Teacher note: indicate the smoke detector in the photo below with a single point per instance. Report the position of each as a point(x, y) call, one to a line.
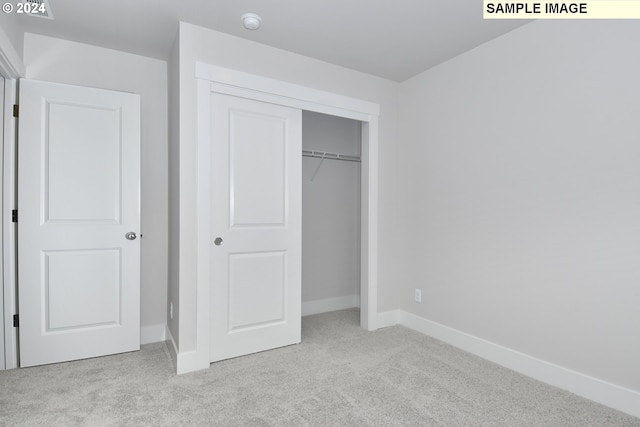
point(250, 21)
point(37, 8)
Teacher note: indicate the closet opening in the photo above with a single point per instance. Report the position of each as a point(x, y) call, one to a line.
point(331, 213)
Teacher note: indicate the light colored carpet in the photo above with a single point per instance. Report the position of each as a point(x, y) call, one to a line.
point(340, 375)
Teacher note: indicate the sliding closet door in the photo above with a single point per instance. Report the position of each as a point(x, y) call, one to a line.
point(256, 219)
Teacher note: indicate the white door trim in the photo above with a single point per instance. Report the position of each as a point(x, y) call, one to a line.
point(11, 68)
point(8, 295)
point(223, 80)
point(2, 309)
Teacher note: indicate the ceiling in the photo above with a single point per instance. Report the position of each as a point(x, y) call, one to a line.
point(394, 39)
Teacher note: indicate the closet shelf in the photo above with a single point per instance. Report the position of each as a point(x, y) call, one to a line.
point(330, 156)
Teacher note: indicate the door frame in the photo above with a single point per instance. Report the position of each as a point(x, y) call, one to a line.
point(12, 69)
point(212, 78)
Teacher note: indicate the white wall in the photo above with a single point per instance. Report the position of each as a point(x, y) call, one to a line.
point(67, 62)
point(11, 32)
point(200, 44)
point(330, 215)
point(520, 195)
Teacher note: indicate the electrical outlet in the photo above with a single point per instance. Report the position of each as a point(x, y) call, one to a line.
point(171, 310)
point(418, 295)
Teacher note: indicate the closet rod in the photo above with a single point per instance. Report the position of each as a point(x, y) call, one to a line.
point(330, 156)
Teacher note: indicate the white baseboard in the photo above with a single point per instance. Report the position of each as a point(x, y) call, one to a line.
point(388, 318)
point(191, 361)
point(329, 304)
point(611, 395)
point(153, 333)
point(173, 348)
point(186, 361)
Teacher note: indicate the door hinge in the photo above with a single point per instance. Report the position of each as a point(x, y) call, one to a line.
point(16, 321)
point(14, 215)
point(16, 110)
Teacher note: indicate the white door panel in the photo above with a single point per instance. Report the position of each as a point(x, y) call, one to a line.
point(256, 211)
point(69, 156)
point(79, 194)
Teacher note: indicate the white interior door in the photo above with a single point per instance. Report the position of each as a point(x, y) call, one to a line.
point(78, 197)
point(256, 224)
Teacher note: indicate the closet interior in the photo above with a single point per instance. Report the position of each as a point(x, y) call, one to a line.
point(330, 213)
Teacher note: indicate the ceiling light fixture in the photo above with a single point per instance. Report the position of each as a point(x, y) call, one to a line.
point(251, 21)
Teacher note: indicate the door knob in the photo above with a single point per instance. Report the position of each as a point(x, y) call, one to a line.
point(130, 235)
point(218, 241)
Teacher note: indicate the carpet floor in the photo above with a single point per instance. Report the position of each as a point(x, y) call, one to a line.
point(340, 375)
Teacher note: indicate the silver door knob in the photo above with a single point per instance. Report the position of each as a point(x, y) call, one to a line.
point(218, 241)
point(131, 235)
